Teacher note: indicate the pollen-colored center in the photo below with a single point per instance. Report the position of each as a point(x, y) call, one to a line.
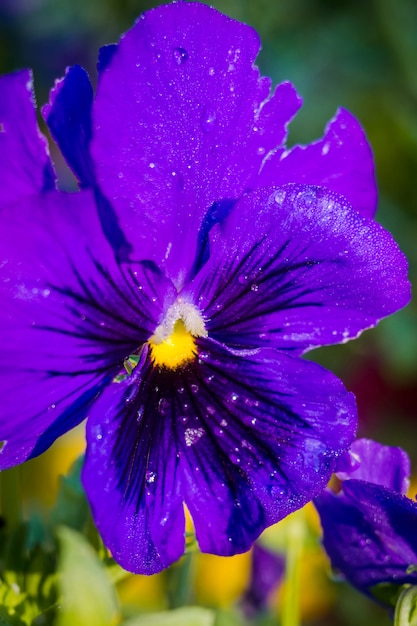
point(173, 343)
point(176, 349)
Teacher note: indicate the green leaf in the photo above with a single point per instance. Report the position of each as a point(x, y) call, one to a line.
point(88, 598)
point(9, 620)
point(71, 506)
point(185, 616)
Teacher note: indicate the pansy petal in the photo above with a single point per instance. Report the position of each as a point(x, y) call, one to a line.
point(296, 267)
point(68, 115)
point(342, 161)
point(25, 167)
point(131, 474)
point(260, 435)
point(370, 460)
point(242, 440)
point(369, 534)
point(177, 107)
point(69, 316)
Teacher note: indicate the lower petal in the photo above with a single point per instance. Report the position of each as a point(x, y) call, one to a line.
point(131, 476)
point(260, 435)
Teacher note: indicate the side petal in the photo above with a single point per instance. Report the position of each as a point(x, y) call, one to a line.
point(25, 166)
point(342, 161)
point(369, 460)
point(182, 119)
point(69, 316)
point(369, 534)
point(296, 267)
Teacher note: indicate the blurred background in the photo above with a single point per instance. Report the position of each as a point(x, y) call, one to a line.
point(350, 53)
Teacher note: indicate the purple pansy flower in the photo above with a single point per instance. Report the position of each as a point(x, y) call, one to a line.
point(369, 527)
point(267, 572)
point(171, 299)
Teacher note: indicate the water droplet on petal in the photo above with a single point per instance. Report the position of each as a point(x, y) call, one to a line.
point(279, 196)
point(140, 413)
point(242, 278)
point(208, 119)
point(254, 287)
point(194, 388)
point(211, 71)
point(163, 406)
point(180, 55)
point(150, 477)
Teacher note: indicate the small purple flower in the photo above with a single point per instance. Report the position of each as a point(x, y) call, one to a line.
point(267, 572)
point(369, 527)
point(170, 300)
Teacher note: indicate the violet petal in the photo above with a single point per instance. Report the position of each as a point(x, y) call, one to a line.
point(70, 315)
point(25, 165)
point(296, 267)
point(342, 161)
point(177, 108)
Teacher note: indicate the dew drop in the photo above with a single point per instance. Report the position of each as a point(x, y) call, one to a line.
point(180, 55)
point(150, 477)
point(194, 388)
point(140, 412)
point(254, 287)
point(307, 199)
point(211, 71)
point(234, 397)
point(279, 196)
point(242, 278)
point(163, 406)
point(260, 151)
point(208, 119)
point(210, 410)
point(152, 165)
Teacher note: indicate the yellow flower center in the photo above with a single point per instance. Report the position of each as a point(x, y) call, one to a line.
point(173, 343)
point(177, 349)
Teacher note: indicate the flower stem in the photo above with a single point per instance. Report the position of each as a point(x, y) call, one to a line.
point(290, 615)
point(179, 583)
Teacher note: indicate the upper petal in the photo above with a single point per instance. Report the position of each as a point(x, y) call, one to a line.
point(69, 315)
point(25, 167)
point(68, 115)
point(182, 118)
point(342, 161)
point(296, 267)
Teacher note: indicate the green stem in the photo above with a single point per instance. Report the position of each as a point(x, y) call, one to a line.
point(290, 615)
point(10, 497)
point(179, 583)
